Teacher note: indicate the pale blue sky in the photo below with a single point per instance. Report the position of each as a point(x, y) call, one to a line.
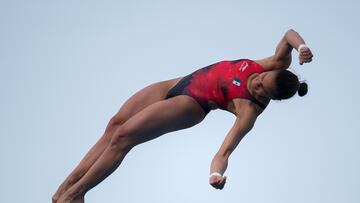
point(67, 66)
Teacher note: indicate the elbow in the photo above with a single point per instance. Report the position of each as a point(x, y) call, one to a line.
point(290, 30)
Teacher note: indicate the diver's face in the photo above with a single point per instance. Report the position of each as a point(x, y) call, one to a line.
point(263, 84)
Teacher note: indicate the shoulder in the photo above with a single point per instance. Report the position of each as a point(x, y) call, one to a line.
point(274, 63)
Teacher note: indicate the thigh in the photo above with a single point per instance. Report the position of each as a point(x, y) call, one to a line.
point(159, 118)
point(143, 98)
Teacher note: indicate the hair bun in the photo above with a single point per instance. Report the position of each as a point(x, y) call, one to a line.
point(303, 89)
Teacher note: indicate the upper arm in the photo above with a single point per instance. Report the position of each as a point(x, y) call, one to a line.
point(281, 58)
point(245, 120)
point(283, 51)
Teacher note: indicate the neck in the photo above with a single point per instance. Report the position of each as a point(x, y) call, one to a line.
point(253, 93)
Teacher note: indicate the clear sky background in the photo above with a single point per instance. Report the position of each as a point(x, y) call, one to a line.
point(67, 66)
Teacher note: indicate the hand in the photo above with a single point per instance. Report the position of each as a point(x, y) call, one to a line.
point(217, 182)
point(305, 55)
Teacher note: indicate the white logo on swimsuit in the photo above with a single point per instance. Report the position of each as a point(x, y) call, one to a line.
point(236, 81)
point(243, 66)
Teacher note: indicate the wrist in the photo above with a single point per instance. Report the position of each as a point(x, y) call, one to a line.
point(301, 46)
point(215, 174)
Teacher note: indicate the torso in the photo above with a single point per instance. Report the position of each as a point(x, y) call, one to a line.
point(217, 85)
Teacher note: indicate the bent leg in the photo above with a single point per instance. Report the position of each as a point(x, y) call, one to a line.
point(134, 104)
point(157, 119)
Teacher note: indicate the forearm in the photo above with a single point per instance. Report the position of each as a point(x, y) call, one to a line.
point(294, 39)
point(244, 122)
point(219, 164)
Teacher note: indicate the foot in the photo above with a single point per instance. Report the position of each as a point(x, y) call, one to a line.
point(63, 199)
point(62, 188)
point(57, 195)
point(79, 200)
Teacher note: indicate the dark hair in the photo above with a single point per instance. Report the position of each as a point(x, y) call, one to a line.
point(287, 84)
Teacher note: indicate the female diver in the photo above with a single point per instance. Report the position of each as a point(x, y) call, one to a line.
point(243, 87)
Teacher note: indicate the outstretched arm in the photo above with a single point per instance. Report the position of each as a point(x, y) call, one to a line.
point(282, 57)
point(244, 122)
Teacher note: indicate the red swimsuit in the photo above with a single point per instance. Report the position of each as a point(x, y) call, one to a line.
point(221, 83)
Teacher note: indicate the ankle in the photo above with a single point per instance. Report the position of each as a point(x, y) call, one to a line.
point(75, 192)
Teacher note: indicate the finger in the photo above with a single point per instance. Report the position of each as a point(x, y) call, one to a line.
point(215, 179)
point(212, 180)
point(222, 183)
point(218, 182)
point(214, 183)
point(221, 186)
point(305, 57)
point(216, 186)
point(303, 51)
point(301, 61)
point(306, 54)
point(307, 60)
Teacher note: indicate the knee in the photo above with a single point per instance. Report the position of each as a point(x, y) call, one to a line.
point(115, 122)
point(122, 140)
